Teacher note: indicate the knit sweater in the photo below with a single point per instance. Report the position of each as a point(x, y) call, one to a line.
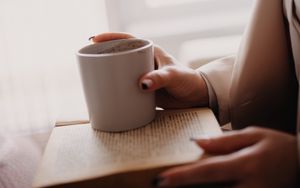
point(19, 157)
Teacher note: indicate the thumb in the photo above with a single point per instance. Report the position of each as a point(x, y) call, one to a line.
point(229, 142)
point(155, 80)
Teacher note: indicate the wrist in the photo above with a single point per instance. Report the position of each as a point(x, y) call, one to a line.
point(198, 95)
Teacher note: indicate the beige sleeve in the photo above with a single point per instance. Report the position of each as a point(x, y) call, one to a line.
point(217, 76)
point(292, 13)
point(258, 87)
point(263, 88)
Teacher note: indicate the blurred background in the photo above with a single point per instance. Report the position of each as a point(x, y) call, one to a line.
point(39, 80)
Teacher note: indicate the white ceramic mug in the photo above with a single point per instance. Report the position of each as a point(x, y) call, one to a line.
point(110, 73)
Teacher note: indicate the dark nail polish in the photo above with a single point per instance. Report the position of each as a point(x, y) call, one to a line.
point(144, 86)
point(91, 37)
point(157, 181)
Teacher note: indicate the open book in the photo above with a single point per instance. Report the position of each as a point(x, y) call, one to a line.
point(78, 156)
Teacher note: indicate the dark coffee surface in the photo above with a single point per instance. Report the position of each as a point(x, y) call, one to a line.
point(122, 47)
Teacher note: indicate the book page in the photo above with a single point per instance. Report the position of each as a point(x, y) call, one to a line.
point(78, 152)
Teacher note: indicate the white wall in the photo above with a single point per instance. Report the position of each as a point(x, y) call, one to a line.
point(171, 23)
point(38, 41)
point(184, 27)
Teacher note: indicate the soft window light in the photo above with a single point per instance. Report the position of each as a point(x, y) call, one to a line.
point(159, 3)
point(39, 81)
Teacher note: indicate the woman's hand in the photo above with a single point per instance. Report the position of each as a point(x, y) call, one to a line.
point(177, 86)
point(250, 158)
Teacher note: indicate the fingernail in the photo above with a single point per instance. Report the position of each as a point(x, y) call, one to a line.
point(196, 138)
point(193, 139)
point(92, 37)
point(201, 140)
point(146, 84)
point(157, 181)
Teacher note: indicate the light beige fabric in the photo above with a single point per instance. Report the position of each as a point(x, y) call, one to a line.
point(260, 86)
point(292, 12)
point(19, 158)
point(263, 81)
point(217, 75)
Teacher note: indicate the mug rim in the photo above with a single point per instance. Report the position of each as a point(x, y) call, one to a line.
point(150, 43)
